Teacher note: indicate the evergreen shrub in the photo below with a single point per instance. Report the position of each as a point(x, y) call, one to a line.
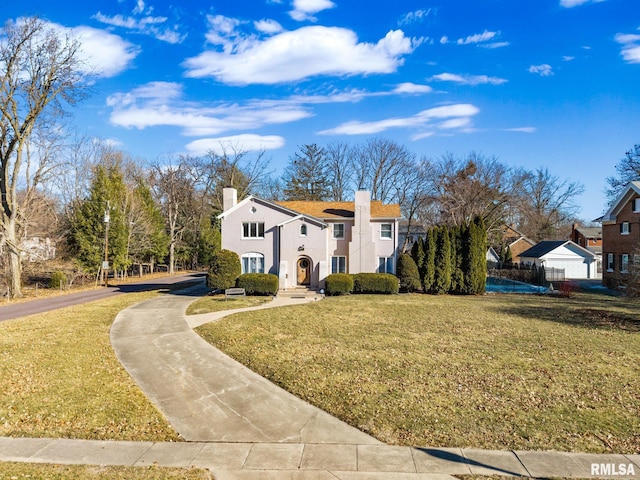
point(375, 283)
point(258, 283)
point(339, 284)
point(58, 280)
point(224, 270)
point(407, 273)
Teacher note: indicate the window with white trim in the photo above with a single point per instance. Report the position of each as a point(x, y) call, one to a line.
point(386, 231)
point(610, 262)
point(625, 228)
point(253, 230)
point(339, 264)
point(338, 230)
point(385, 265)
point(624, 263)
point(253, 263)
point(636, 205)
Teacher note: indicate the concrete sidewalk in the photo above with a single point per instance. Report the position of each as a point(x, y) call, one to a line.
point(203, 393)
point(260, 461)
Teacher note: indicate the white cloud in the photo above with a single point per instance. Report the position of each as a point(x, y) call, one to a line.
point(269, 27)
point(575, 3)
point(522, 129)
point(630, 46)
point(439, 118)
point(568, 58)
point(162, 104)
point(102, 53)
point(306, 9)
point(478, 38)
point(412, 88)
point(245, 142)
point(413, 17)
point(295, 55)
point(147, 25)
point(543, 70)
point(469, 79)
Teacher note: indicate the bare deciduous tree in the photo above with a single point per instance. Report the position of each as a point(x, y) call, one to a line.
point(41, 75)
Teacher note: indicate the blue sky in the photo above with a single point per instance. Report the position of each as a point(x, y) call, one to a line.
point(537, 83)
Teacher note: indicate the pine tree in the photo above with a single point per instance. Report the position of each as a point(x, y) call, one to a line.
point(457, 275)
point(307, 175)
point(417, 253)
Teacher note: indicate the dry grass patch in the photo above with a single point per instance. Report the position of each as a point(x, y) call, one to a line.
point(496, 372)
point(59, 377)
point(15, 471)
point(217, 303)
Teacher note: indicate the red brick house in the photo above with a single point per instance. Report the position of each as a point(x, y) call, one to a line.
point(621, 236)
point(591, 239)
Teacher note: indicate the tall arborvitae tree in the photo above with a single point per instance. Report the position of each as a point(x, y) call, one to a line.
point(457, 275)
point(479, 272)
point(428, 264)
point(417, 253)
point(442, 264)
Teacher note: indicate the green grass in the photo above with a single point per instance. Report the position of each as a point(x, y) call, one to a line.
point(59, 377)
point(496, 372)
point(15, 471)
point(217, 303)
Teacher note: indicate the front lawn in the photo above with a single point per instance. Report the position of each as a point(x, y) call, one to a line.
point(496, 372)
point(216, 303)
point(15, 471)
point(59, 377)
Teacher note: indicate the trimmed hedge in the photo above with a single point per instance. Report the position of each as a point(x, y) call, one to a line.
point(407, 273)
point(339, 284)
point(224, 270)
point(258, 283)
point(375, 283)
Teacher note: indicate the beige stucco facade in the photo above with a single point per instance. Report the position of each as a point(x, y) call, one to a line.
point(302, 249)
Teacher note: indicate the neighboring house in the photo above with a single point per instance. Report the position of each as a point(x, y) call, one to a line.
point(302, 242)
point(34, 249)
point(516, 241)
point(493, 259)
point(407, 236)
point(591, 239)
point(576, 261)
point(621, 236)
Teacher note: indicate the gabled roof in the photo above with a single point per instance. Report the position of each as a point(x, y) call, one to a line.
point(632, 188)
point(337, 210)
point(547, 246)
point(590, 232)
point(273, 205)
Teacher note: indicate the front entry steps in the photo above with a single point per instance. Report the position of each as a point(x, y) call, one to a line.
point(300, 292)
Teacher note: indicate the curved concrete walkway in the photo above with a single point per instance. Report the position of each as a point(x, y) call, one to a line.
point(204, 394)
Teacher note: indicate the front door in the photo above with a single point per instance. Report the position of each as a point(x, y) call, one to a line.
point(304, 271)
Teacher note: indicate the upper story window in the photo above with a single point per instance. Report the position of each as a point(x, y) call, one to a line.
point(338, 230)
point(625, 228)
point(636, 205)
point(253, 230)
point(303, 230)
point(386, 230)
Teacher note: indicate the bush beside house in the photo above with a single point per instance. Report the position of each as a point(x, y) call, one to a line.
point(258, 283)
point(339, 284)
point(224, 270)
point(375, 283)
point(407, 272)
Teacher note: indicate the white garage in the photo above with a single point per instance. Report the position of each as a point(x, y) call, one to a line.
point(577, 262)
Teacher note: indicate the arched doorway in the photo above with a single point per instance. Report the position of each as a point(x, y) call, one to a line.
point(303, 275)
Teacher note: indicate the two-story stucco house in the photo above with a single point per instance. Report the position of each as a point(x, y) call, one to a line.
point(302, 242)
point(621, 236)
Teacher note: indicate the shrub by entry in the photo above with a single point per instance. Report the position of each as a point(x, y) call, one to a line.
point(258, 283)
point(339, 284)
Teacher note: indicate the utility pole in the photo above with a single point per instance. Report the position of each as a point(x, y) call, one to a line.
point(105, 264)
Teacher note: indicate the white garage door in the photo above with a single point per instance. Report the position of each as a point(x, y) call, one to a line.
point(573, 269)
